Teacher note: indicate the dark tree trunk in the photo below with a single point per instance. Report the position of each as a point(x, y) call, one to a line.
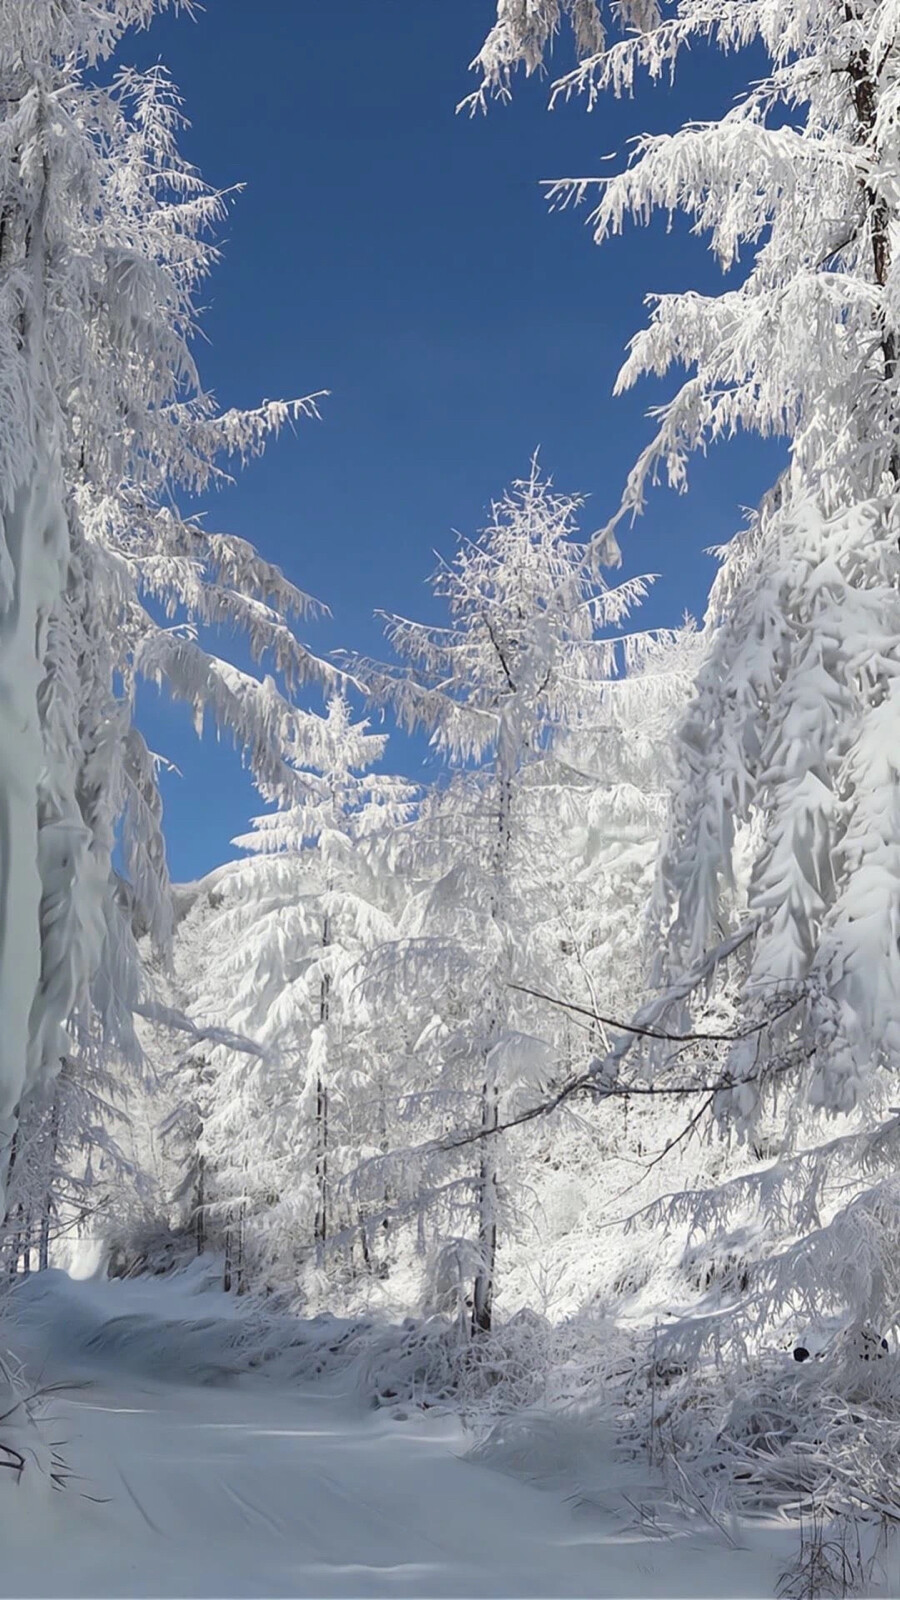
point(321, 1222)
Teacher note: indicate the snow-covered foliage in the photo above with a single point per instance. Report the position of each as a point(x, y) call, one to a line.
point(406, 970)
point(520, 688)
point(274, 1131)
point(776, 912)
point(791, 728)
point(105, 238)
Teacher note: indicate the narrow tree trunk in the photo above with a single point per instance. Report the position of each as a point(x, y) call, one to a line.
point(483, 1291)
point(27, 1226)
point(8, 1232)
point(364, 1244)
point(240, 1269)
point(865, 88)
point(384, 1145)
point(199, 1206)
point(15, 1245)
point(228, 1268)
point(47, 1207)
point(44, 1240)
point(321, 1222)
point(483, 1288)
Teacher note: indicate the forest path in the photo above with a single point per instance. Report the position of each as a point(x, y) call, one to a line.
point(254, 1487)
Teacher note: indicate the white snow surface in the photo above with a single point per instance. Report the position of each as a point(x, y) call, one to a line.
point(194, 1482)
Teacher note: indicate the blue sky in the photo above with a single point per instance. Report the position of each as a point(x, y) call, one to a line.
point(403, 258)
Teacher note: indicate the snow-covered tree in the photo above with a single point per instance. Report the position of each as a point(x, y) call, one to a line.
point(297, 917)
point(65, 1163)
point(104, 242)
point(603, 798)
point(496, 689)
point(792, 725)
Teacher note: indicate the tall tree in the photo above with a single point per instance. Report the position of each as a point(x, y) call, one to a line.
point(788, 745)
point(298, 915)
point(494, 689)
point(104, 242)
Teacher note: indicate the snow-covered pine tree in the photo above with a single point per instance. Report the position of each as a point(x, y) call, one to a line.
point(298, 916)
point(104, 241)
point(496, 689)
point(792, 723)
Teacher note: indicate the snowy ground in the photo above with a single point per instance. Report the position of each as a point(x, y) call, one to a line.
point(255, 1486)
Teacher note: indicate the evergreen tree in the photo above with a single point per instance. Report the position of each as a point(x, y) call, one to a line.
point(495, 689)
point(297, 917)
point(787, 747)
point(104, 243)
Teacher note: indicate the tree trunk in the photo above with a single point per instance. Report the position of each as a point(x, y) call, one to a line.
point(364, 1244)
point(240, 1265)
point(34, 543)
point(11, 1159)
point(384, 1145)
point(199, 1205)
point(47, 1207)
point(28, 553)
point(44, 1240)
point(865, 88)
point(27, 1226)
point(228, 1267)
point(483, 1290)
point(321, 1222)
